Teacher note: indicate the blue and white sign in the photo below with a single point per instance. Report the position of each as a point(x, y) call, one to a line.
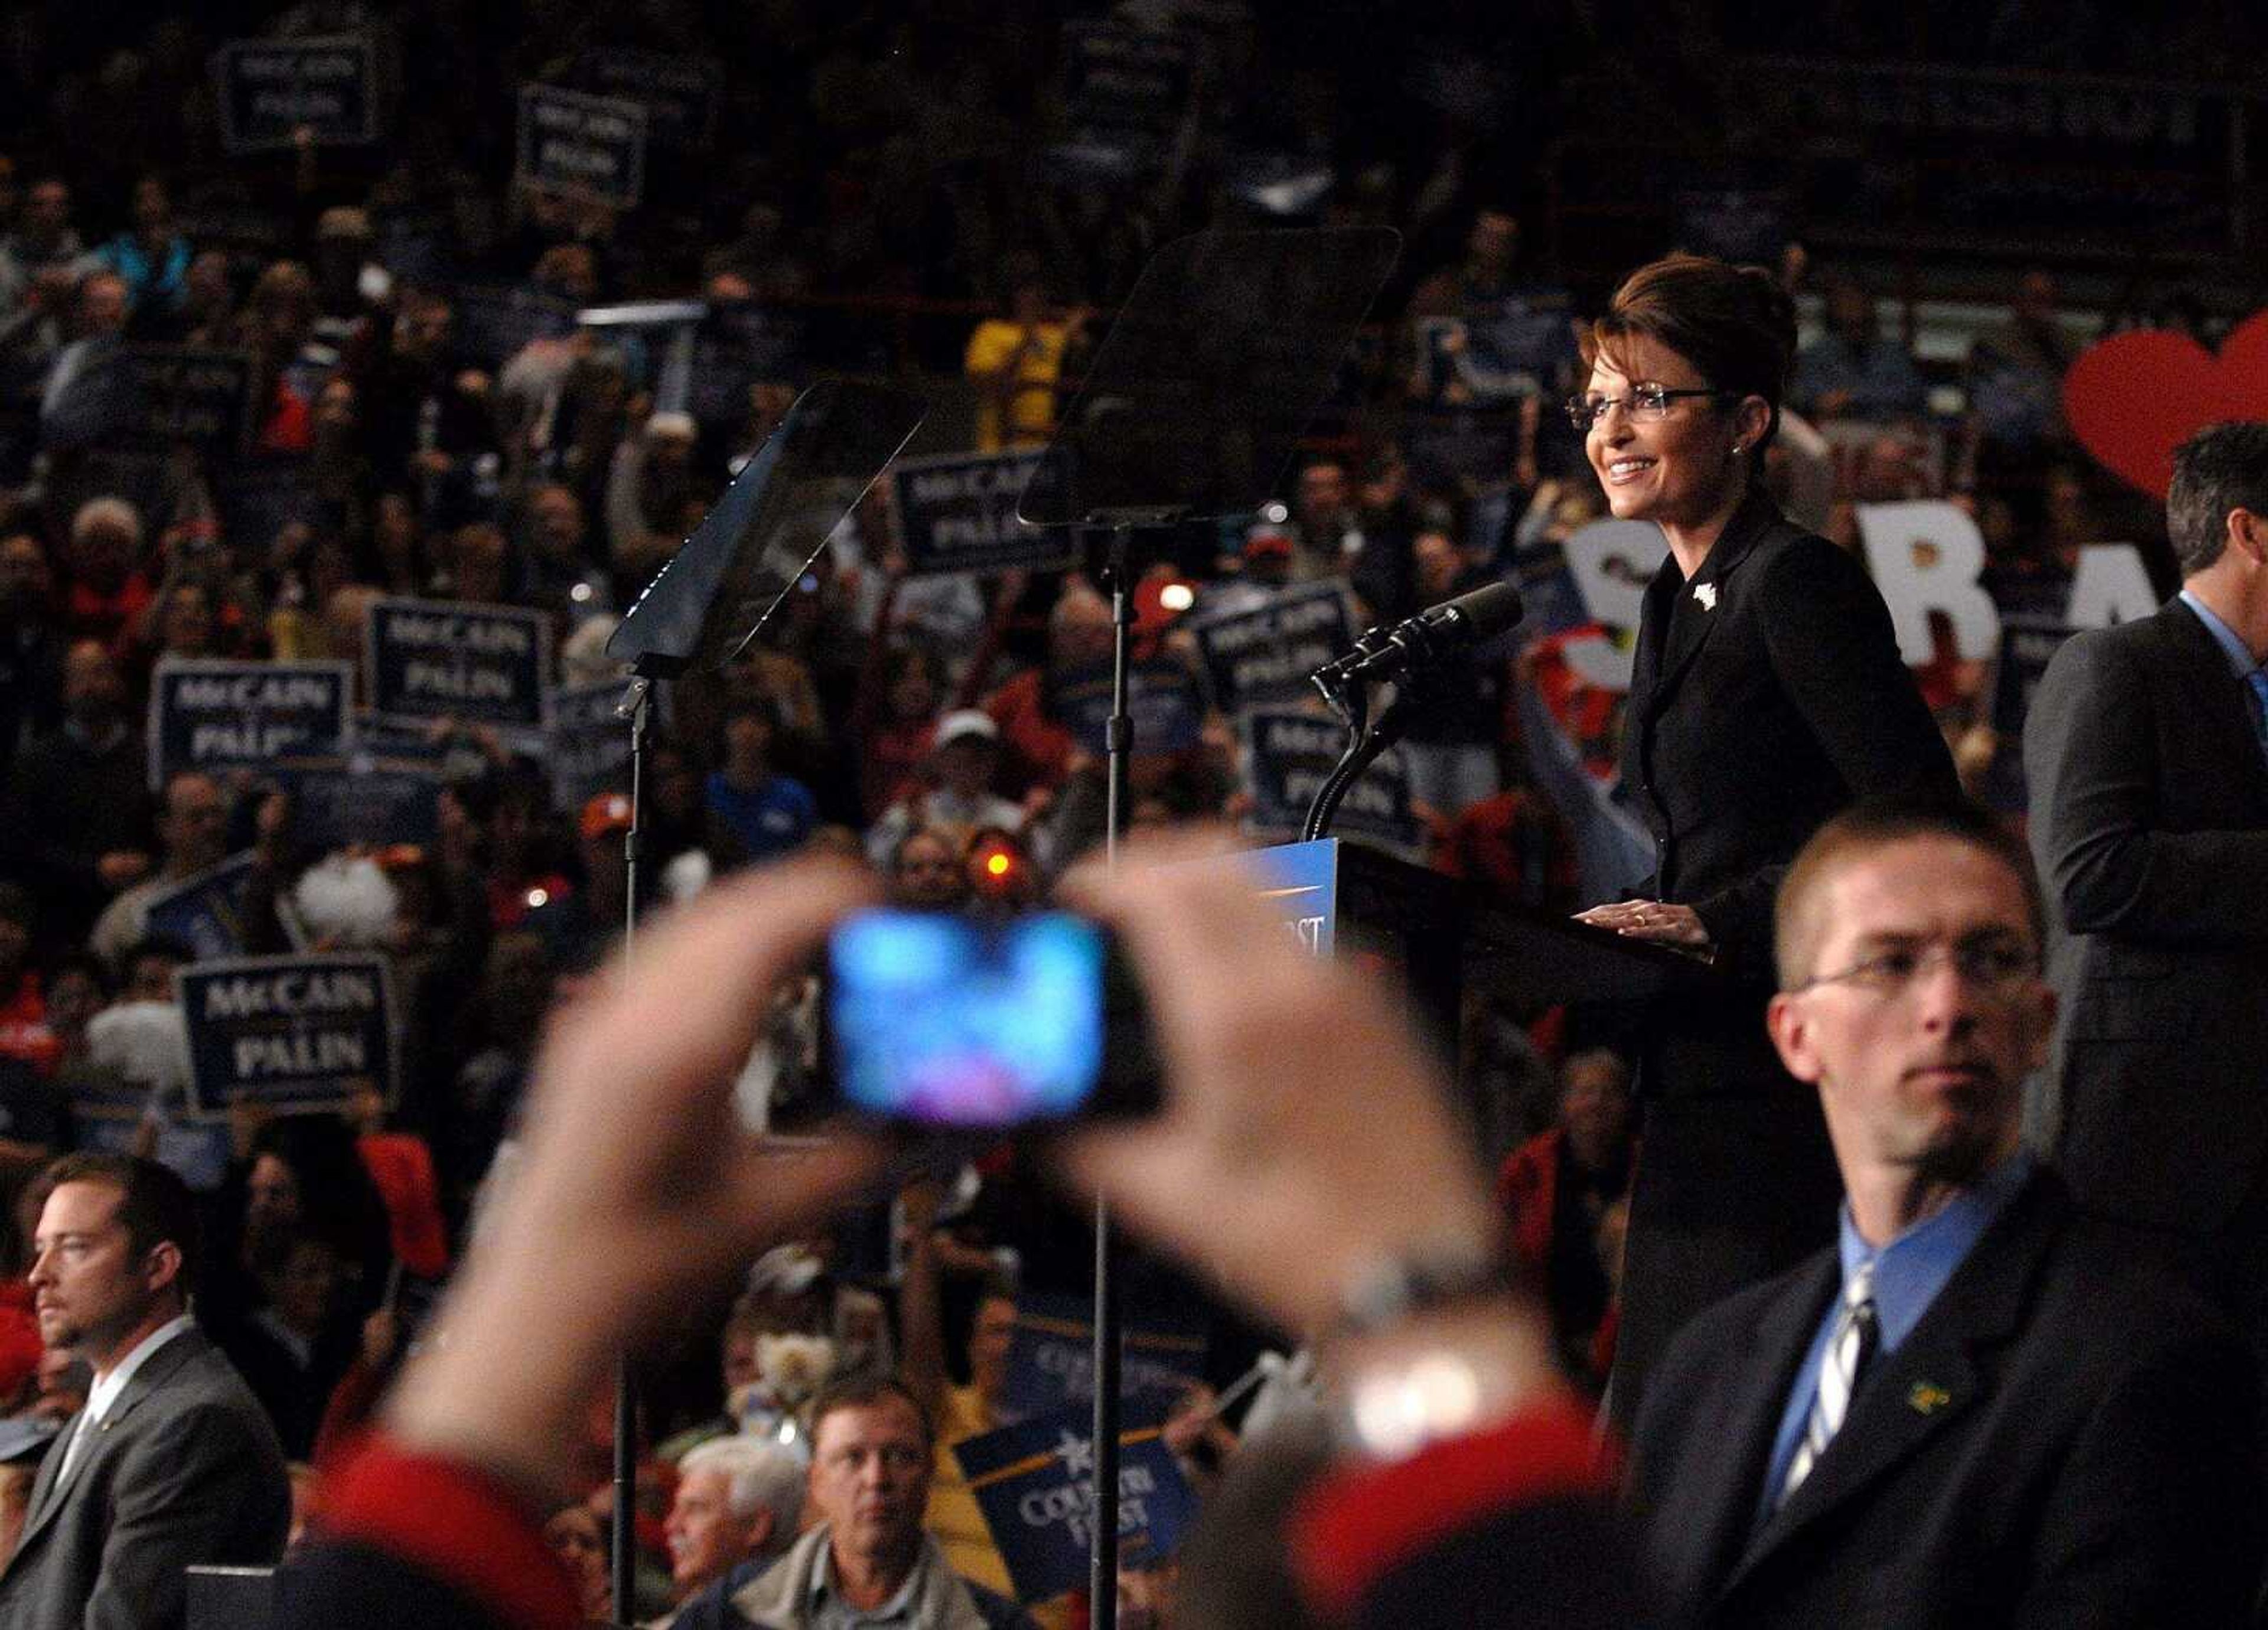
point(1051, 1355)
point(218, 715)
point(439, 659)
point(289, 1032)
point(1035, 1482)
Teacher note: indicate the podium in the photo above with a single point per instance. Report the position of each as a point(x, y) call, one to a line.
point(1438, 939)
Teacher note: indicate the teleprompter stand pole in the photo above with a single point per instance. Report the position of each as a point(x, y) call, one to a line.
point(1118, 748)
point(634, 710)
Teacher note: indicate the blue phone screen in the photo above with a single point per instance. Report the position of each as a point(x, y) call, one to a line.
point(955, 1023)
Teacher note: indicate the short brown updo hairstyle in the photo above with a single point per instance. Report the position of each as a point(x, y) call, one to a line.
point(1735, 324)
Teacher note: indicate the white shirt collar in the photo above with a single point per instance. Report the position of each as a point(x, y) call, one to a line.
point(105, 1391)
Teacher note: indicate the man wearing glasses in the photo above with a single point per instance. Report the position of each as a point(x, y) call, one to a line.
point(867, 1562)
point(1979, 1407)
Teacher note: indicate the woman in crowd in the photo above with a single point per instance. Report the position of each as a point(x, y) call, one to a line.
point(1767, 694)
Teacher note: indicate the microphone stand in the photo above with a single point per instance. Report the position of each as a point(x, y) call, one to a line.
point(1366, 737)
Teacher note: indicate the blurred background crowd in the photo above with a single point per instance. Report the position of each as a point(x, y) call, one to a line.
point(258, 378)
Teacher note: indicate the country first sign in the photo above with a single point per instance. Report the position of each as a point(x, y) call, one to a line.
point(1035, 1483)
point(290, 1032)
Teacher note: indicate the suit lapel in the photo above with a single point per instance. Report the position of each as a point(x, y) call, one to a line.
point(1683, 636)
point(47, 1498)
point(1937, 1375)
point(2218, 693)
point(1724, 1507)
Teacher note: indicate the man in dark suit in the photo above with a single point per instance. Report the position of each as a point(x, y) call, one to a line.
point(171, 1462)
point(2148, 764)
point(1980, 1408)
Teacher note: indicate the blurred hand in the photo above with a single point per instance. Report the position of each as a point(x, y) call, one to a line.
point(1304, 1138)
point(638, 1190)
point(1656, 920)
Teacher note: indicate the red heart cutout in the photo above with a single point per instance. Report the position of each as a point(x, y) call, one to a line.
point(2133, 398)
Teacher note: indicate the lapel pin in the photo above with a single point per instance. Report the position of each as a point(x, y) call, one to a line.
point(1706, 594)
point(1927, 1398)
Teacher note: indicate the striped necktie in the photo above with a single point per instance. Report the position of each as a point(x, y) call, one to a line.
point(1849, 1347)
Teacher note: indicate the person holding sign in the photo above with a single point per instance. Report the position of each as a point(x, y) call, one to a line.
point(1768, 694)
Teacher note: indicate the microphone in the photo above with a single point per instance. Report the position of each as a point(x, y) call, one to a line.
point(1433, 636)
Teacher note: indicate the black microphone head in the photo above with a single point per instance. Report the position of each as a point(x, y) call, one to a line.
point(1486, 611)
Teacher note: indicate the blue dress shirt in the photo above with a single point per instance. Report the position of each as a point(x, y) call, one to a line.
point(1909, 1271)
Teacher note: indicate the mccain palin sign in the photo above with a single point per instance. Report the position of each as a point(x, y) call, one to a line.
point(217, 715)
point(289, 1032)
point(438, 659)
point(958, 513)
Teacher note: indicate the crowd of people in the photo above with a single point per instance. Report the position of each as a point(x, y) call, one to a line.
point(411, 409)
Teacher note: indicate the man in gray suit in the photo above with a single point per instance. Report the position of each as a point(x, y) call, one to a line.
point(2148, 759)
point(171, 1462)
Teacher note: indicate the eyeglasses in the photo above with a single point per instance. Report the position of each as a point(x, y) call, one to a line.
point(1648, 403)
point(1994, 965)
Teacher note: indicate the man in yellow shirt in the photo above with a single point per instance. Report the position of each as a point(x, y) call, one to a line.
point(1015, 362)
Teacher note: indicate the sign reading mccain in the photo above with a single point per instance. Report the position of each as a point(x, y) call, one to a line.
point(437, 659)
point(214, 715)
point(270, 90)
point(290, 1032)
point(1267, 653)
point(958, 513)
point(581, 147)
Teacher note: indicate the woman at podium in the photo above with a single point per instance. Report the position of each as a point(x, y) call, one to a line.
point(1767, 694)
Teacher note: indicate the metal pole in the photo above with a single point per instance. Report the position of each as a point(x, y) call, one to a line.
point(633, 710)
point(1118, 745)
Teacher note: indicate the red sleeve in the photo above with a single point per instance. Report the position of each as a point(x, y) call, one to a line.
point(1353, 1529)
point(458, 1524)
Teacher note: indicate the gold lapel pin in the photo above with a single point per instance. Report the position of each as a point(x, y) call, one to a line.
point(1927, 1398)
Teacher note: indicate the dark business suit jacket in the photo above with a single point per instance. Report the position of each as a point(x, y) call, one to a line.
point(1750, 723)
point(2149, 799)
point(2063, 1440)
point(185, 1469)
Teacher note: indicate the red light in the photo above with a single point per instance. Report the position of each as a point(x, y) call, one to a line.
point(997, 864)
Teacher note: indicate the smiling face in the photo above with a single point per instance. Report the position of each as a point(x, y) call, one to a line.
point(1925, 1080)
point(1680, 471)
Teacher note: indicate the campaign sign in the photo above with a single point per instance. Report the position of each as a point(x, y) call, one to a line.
point(1161, 699)
point(1127, 89)
point(1051, 1355)
point(189, 393)
point(590, 147)
point(289, 1032)
point(1300, 884)
point(219, 715)
point(590, 747)
point(1287, 755)
point(680, 93)
point(1035, 1482)
point(359, 798)
point(438, 659)
point(200, 1151)
point(1266, 654)
point(272, 89)
point(2026, 644)
point(958, 513)
point(206, 912)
